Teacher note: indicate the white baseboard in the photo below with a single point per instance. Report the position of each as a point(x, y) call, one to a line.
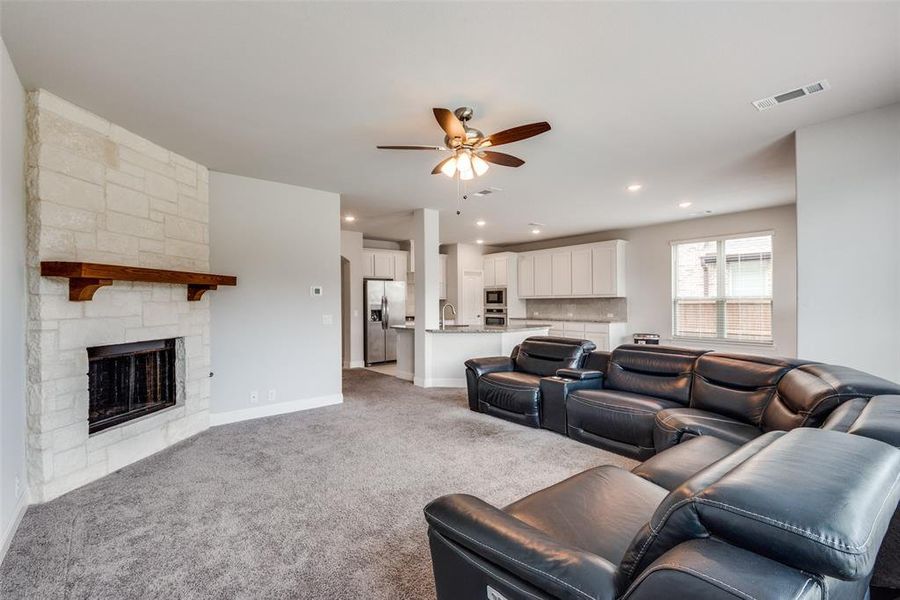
point(445, 383)
point(6, 540)
point(357, 364)
point(256, 412)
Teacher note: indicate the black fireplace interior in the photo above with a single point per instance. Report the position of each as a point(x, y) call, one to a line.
point(127, 381)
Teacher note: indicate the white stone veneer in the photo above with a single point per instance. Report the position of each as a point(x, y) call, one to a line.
point(99, 193)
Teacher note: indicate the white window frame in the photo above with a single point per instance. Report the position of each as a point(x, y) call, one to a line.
point(720, 298)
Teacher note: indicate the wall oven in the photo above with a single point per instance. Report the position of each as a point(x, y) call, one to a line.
point(495, 297)
point(495, 317)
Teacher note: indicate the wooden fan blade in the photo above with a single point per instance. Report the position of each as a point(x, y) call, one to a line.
point(449, 123)
point(522, 132)
point(437, 169)
point(498, 158)
point(410, 147)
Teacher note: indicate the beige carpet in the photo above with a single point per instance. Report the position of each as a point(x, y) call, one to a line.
point(319, 504)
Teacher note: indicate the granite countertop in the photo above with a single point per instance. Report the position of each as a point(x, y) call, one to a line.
point(477, 328)
point(566, 319)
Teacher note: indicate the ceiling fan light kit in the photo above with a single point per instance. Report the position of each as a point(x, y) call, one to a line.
point(470, 158)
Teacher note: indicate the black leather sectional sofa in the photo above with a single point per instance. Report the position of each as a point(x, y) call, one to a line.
point(765, 478)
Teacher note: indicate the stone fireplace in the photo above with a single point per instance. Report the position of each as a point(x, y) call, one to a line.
point(99, 193)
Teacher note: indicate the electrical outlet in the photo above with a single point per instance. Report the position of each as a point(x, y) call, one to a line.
point(271, 397)
point(254, 397)
point(327, 320)
point(610, 315)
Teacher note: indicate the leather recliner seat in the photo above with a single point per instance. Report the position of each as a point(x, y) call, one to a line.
point(510, 388)
point(796, 515)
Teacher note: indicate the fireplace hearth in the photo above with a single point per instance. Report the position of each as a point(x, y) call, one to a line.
point(127, 381)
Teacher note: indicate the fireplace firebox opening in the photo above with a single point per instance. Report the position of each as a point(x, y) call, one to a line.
point(127, 381)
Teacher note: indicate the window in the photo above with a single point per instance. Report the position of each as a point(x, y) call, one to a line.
point(731, 303)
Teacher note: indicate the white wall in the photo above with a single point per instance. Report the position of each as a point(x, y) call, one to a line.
point(649, 271)
point(269, 333)
point(351, 249)
point(12, 300)
point(848, 232)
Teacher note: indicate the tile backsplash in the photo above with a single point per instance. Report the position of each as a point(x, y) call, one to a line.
point(588, 309)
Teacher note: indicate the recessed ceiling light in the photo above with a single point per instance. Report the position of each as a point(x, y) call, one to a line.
point(535, 231)
point(634, 187)
point(479, 241)
point(481, 222)
point(684, 204)
point(349, 218)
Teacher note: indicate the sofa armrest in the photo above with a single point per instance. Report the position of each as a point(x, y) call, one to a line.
point(555, 391)
point(579, 374)
point(490, 364)
point(561, 571)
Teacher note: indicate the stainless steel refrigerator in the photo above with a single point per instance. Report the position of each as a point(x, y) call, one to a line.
point(385, 307)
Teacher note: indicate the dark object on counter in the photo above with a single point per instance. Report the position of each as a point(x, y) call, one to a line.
point(646, 338)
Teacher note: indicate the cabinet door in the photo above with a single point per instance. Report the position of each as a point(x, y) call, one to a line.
point(601, 340)
point(400, 266)
point(543, 274)
point(526, 276)
point(384, 265)
point(501, 277)
point(489, 278)
point(604, 270)
point(562, 273)
point(368, 263)
point(582, 277)
point(443, 285)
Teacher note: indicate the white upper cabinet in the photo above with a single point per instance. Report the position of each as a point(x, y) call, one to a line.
point(489, 271)
point(368, 263)
point(561, 267)
point(582, 277)
point(583, 271)
point(385, 264)
point(608, 269)
point(526, 275)
point(501, 271)
point(543, 274)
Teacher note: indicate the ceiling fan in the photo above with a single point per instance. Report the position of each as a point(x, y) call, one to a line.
point(468, 145)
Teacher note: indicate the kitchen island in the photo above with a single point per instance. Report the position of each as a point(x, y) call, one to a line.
point(452, 346)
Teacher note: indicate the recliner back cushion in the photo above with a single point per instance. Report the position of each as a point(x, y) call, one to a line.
point(659, 371)
point(736, 385)
point(808, 394)
point(815, 500)
point(543, 355)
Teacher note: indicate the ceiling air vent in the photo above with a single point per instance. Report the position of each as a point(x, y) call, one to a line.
point(487, 191)
point(806, 90)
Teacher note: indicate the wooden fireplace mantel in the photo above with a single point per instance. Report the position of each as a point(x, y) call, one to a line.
point(86, 278)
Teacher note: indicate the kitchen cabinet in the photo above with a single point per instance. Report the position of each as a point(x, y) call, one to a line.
point(368, 263)
point(443, 281)
point(384, 264)
point(561, 272)
point(526, 275)
point(489, 271)
point(584, 271)
point(501, 271)
point(543, 274)
point(582, 277)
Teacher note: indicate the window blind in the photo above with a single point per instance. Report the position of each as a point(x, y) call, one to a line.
point(722, 289)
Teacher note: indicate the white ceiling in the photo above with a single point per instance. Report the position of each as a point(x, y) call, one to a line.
point(657, 93)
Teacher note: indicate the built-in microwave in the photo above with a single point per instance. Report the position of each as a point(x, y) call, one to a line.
point(494, 297)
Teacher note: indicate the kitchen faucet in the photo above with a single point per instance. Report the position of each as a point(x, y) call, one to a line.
point(452, 312)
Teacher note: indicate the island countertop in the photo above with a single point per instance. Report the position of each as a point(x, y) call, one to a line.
point(477, 328)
